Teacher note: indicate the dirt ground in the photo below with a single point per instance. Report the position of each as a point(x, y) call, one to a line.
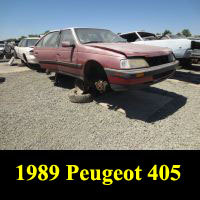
point(35, 114)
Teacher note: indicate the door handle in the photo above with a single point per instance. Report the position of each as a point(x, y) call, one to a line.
point(36, 52)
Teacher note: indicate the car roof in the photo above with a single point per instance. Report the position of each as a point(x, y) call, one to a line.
point(72, 28)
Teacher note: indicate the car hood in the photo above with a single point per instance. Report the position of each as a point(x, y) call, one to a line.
point(130, 50)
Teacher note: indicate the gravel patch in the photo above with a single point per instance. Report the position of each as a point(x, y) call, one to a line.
point(35, 114)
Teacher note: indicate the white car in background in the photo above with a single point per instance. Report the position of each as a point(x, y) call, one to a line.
point(181, 47)
point(24, 50)
point(2, 47)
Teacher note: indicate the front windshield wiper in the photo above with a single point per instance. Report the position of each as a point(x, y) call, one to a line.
point(93, 42)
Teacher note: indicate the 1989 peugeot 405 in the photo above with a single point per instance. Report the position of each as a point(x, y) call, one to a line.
point(101, 59)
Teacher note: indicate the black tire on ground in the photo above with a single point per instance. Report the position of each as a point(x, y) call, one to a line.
point(2, 79)
point(75, 97)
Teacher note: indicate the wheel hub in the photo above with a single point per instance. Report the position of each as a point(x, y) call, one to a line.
point(101, 86)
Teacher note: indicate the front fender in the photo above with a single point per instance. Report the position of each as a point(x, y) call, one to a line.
point(105, 61)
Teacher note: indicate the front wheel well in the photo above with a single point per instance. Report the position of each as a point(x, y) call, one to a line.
point(94, 70)
point(94, 74)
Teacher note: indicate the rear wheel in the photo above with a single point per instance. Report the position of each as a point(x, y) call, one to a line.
point(57, 77)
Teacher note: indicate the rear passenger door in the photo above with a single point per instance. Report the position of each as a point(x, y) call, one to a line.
point(46, 51)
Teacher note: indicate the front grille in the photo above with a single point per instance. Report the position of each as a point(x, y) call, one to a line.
point(159, 60)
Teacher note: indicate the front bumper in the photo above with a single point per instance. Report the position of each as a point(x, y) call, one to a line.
point(121, 80)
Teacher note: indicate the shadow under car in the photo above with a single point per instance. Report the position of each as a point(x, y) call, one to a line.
point(149, 105)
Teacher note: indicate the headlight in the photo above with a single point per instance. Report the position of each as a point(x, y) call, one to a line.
point(171, 57)
point(133, 63)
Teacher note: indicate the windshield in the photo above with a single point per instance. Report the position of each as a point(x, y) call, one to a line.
point(87, 35)
point(31, 42)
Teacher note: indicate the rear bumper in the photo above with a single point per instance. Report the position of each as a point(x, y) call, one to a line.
point(121, 80)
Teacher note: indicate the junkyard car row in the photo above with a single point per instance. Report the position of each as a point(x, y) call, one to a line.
point(101, 60)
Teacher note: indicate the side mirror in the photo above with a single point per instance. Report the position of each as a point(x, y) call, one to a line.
point(67, 44)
